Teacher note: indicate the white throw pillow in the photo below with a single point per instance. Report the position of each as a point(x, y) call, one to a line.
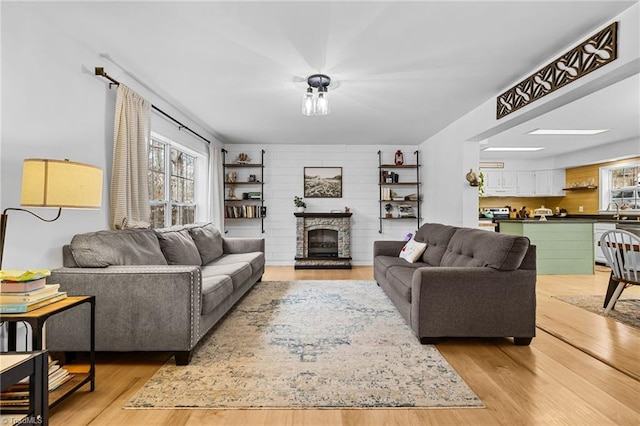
point(412, 250)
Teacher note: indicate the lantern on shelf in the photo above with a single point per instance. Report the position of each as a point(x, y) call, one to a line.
point(399, 158)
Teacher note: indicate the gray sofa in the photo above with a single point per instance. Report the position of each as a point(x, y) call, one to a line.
point(156, 290)
point(467, 283)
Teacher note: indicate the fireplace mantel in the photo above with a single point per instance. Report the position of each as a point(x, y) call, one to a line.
point(322, 214)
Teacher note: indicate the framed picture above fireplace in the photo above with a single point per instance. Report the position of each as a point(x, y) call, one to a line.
point(323, 182)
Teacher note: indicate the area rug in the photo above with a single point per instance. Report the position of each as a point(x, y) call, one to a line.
point(626, 311)
point(310, 344)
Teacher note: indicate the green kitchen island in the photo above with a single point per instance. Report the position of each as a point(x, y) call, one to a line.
point(562, 246)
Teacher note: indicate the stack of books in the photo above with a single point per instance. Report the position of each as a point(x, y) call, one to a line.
point(16, 397)
point(24, 291)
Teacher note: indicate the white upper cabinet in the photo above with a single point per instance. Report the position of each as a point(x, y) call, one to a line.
point(524, 183)
point(500, 183)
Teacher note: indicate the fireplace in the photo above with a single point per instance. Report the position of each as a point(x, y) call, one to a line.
point(323, 241)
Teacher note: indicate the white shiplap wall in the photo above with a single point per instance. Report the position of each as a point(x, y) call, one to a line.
point(283, 175)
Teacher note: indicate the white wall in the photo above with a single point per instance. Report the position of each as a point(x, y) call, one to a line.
point(449, 156)
point(283, 179)
point(54, 107)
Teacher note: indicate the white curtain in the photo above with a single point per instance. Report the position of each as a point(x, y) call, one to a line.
point(129, 192)
point(216, 193)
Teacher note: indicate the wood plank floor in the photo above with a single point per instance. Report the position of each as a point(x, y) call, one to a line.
point(580, 371)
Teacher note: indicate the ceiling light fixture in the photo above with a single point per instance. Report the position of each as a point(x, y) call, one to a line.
point(318, 104)
point(514, 148)
point(567, 131)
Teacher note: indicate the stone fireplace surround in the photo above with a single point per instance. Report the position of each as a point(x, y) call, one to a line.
point(340, 222)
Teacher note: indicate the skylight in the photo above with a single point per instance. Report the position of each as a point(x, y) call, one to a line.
point(514, 148)
point(579, 132)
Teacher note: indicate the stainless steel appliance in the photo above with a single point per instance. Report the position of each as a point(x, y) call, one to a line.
point(495, 212)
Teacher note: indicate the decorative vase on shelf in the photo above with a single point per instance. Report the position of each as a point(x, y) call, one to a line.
point(300, 209)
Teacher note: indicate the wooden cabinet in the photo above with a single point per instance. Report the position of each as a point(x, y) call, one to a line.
point(244, 190)
point(399, 195)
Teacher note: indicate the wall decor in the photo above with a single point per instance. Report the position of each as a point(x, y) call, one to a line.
point(323, 182)
point(593, 53)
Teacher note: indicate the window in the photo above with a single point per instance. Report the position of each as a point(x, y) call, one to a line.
point(620, 185)
point(172, 183)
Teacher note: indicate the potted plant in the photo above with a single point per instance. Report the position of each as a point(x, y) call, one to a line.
point(299, 203)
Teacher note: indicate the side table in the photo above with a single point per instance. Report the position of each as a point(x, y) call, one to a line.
point(36, 320)
point(16, 366)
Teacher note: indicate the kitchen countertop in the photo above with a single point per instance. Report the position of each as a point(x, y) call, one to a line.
point(549, 220)
point(632, 220)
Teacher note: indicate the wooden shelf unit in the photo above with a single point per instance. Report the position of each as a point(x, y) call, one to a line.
point(381, 184)
point(244, 206)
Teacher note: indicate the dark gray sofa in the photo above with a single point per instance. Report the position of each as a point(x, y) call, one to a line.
point(468, 283)
point(156, 290)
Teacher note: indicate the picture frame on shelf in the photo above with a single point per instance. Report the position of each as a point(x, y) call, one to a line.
point(323, 182)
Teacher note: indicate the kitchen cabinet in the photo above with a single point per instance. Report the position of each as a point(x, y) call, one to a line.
point(600, 228)
point(549, 182)
point(524, 183)
point(500, 183)
point(563, 247)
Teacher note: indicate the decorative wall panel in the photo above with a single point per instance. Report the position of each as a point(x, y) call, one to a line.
point(593, 53)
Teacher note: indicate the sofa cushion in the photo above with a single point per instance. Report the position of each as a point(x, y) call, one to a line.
point(412, 250)
point(208, 241)
point(238, 272)
point(437, 237)
point(178, 247)
point(475, 247)
point(254, 259)
point(121, 247)
point(389, 261)
point(214, 290)
point(400, 278)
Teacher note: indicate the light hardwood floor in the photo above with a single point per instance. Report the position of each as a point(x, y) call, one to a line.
point(551, 382)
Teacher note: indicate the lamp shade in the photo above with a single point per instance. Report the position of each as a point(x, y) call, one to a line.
point(60, 183)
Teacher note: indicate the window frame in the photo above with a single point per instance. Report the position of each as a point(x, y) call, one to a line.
point(199, 180)
point(606, 190)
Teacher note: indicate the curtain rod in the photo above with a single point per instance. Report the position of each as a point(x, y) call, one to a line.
point(100, 71)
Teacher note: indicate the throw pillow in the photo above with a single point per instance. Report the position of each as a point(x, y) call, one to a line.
point(123, 247)
point(178, 247)
point(412, 250)
point(208, 241)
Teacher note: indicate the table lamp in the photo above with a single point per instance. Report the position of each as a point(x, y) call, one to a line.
point(56, 183)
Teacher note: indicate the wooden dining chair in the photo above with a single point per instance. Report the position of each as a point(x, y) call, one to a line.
point(622, 251)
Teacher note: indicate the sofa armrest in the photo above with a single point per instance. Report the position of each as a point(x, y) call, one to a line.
point(454, 301)
point(242, 245)
point(387, 248)
point(155, 307)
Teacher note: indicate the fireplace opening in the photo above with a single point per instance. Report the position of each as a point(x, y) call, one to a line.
point(322, 243)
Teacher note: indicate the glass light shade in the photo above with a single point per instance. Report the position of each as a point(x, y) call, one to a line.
point(322, 103)
point(308, 103)
point(60, 183)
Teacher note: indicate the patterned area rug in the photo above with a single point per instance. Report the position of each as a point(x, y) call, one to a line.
point(310, 344)
point(626, 311)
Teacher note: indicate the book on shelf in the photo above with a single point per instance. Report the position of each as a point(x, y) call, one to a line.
point(18, 308)
point(9, 286)
point(30, 296)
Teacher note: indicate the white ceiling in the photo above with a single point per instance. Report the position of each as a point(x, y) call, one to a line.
point(402, 70)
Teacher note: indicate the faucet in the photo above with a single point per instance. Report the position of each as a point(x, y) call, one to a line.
point(617, 215)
